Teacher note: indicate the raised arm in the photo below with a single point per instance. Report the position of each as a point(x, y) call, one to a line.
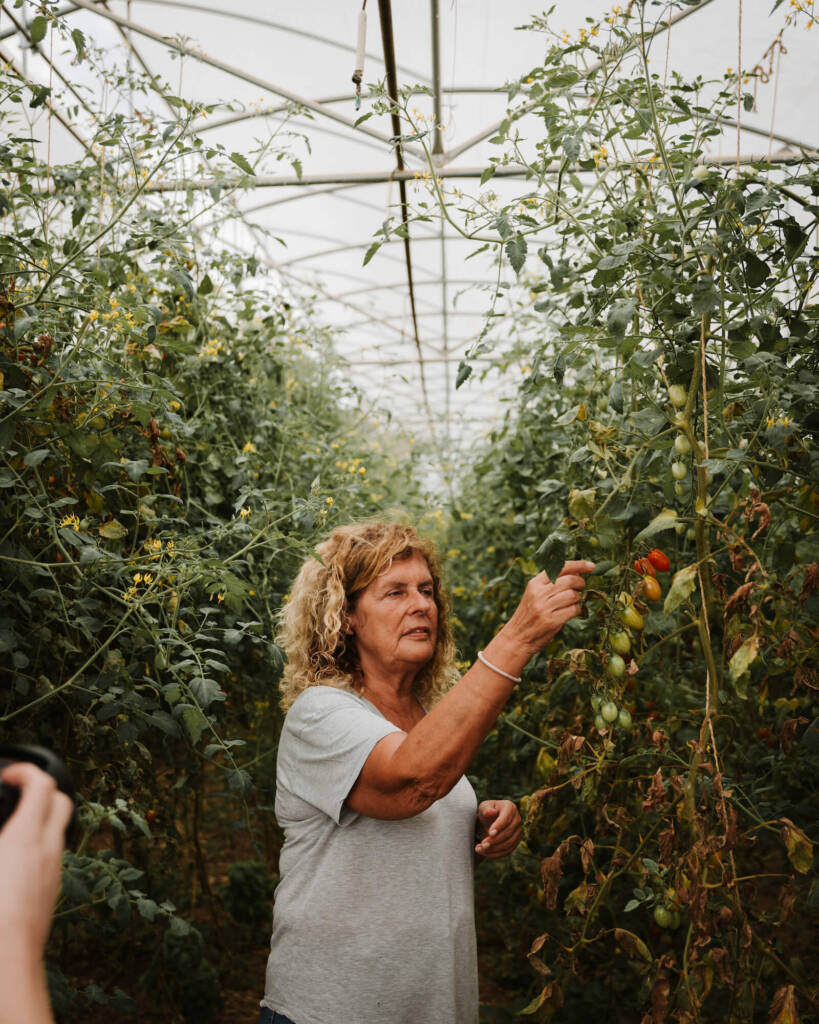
point(408, 772)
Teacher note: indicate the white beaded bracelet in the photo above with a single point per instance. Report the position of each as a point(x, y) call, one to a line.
point(506, 675)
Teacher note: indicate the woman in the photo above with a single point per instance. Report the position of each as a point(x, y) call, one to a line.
point(373, 919)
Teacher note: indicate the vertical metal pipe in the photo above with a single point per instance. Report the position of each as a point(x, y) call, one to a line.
point(435, 18)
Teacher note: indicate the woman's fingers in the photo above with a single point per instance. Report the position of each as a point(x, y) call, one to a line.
point(504, 832)
point(572, 568)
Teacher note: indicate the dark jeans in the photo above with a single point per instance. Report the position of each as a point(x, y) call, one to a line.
point(269, 1017)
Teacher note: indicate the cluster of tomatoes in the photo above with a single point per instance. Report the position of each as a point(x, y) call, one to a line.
point(607, 713)
point(655, 561)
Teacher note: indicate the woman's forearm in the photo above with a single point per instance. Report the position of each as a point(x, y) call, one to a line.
point(437, 751)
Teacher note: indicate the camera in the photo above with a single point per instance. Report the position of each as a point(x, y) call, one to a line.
point(11, 753)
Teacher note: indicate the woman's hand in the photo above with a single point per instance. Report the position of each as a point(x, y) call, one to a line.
point(499, 828)
point(545, 606)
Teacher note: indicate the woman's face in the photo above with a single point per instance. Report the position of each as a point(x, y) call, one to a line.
point(395, 618)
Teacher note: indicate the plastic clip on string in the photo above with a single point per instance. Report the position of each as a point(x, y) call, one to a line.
point(506, 675)
point(358, 74)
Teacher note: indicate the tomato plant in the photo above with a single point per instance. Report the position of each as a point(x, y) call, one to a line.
point(667, 315)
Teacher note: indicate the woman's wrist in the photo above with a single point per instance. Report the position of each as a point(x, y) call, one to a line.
point(507, 652)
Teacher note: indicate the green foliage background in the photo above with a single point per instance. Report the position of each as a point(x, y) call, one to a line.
point(176, 435)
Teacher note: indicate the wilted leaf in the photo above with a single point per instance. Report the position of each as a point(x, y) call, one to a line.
point(742, 658)
point(112, 530)
point(800, 848)
point(633, 945)
point(683, 585)
point(783, 1007)
point(551, 997)
point(662, 521)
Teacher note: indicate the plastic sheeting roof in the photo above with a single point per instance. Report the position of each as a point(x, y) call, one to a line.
point(248, 55)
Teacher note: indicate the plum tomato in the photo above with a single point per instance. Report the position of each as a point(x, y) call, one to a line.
point(651, 588)
point(663, 916)
point(679, 470)
point(678, 395)
point(644, 567)
point(599, 723)
point(616, 667)
point(609, 711)
point(620, 642)
point(659, 559)
point(682, 446)
point(631, 617)
point(624, 718)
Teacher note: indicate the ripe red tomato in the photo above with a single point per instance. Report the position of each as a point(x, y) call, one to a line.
point(659, 559)
point(644, 567)
point(651, 588)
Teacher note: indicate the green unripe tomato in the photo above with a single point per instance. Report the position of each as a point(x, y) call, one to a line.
point(678, 395)
point(596, 701)
point(690, 535)
point(620, 642)
point(616, 667)
point(682, 446)
point(679, 470)
point(675, 919)
point(599, 724)
point(679, 489)
point(662, 915)
point(679, 529)
point(609, 711)
point(632, 617)
point(624, 718)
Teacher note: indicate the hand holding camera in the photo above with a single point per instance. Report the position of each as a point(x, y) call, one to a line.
point(31, 846)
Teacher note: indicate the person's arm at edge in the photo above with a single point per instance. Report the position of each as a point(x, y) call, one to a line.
point(31, 844)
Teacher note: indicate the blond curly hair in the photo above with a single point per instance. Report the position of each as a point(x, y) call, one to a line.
point(319, 652)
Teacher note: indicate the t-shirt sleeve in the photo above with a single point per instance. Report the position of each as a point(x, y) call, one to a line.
point(327, 736)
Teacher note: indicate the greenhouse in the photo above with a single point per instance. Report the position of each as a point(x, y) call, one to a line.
point(528, 294)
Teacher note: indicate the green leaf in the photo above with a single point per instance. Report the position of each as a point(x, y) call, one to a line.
point(41, 94)
point(368, 255)
point(516, 251)
point(487, 174)
point(36, 457)
point(683, 584)
point(78, 39)
point(620, 316)
point(194, 721)
point(146, 908)
point(241, 162)
point(464, 373)
point(756, 270)
point(665, 520)
point(135, 468)
point(551, 554)
point(37, 29)
point(205, 286)
point(362, 119)
point(704, 297)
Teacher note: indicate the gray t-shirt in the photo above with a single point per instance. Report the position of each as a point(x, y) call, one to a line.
point(373, 920)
